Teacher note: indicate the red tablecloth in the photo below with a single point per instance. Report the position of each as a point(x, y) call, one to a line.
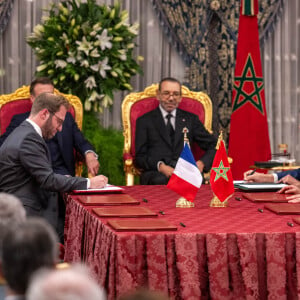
point(223, 253)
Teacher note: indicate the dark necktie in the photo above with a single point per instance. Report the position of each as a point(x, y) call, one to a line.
point(170, 129)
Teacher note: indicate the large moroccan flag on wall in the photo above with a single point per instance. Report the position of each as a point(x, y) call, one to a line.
point(249, 136)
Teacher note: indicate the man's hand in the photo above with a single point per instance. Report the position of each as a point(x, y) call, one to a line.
point(200, 165)
point(258, 177)
point(98, 182)
point(92, 163)
point(288, 179)
point(294, 198)
point(166, 170)
point(290, 189)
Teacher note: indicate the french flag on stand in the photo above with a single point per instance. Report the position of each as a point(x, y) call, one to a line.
point(186, 178)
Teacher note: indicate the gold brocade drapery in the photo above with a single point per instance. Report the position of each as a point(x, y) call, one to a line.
point(205, 34)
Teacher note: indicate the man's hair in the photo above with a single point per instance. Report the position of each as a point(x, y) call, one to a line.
point(169, 79)
point(26, 248)
point(49, 101)
point(12, 213)
point(74, 282)
point(39, 80)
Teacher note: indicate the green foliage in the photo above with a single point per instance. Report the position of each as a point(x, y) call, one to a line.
point(87, 50)
point(108, 144)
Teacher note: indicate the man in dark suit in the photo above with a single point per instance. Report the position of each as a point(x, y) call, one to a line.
point(25, 167)
point(159, 136)
point(62, 145)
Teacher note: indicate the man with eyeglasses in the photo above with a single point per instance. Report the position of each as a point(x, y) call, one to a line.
point(62, 145)
point(159, 136)
point(25, 161)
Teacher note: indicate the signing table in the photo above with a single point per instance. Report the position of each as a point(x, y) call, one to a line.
point(238, 252)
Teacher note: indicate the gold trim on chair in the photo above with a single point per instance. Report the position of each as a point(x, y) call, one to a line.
point(150, 92)
point(23, 93)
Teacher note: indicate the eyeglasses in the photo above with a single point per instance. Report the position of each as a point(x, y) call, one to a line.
point(58, 119)
point(168, 94)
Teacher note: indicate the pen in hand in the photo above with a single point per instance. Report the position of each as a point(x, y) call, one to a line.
point(251, 173)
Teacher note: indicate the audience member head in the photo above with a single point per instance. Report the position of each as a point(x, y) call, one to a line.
point(48, 112)
point(169, 93)
point(40, 85)
point(73, 283)
point(26, 248)
point(144, 294)
point(12, 213)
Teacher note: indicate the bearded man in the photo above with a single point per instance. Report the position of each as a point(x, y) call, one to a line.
point(25, 163)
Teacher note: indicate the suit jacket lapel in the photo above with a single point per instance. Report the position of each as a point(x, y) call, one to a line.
point(59, 137)
point(42, 139)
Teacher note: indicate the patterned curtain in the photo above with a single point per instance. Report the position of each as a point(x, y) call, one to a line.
point(5, 10)
point(204, 33)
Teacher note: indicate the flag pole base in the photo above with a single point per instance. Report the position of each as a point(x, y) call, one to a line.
point(215, 202)
point(183, 203)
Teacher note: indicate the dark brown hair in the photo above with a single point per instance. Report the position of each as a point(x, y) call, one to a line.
point(39, 80)
point(49, 101)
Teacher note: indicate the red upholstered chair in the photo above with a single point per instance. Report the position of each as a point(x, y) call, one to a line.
point(136, 104)
point(19, 102)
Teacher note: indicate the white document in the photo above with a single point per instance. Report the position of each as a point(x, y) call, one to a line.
point(107, 189)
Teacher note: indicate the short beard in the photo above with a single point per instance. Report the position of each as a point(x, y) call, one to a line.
point(47, 129)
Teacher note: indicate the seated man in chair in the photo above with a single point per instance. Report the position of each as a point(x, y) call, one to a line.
point(62, 145)
point(159, 136)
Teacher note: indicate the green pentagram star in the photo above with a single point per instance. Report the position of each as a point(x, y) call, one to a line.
point(242, 96)
point(221, 171)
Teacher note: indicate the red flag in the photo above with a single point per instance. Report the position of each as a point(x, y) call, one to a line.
point(220, 175)
point(249, 136)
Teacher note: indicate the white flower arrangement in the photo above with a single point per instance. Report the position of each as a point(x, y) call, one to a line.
point(87, 50)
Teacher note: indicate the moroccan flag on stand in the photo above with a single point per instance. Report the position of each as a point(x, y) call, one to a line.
point(220, 175)
point(249, 136)
point(186, 178)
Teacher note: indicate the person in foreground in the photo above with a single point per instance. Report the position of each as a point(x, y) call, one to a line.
point(62, 145)
point(27, 247)
point(25, 164)
point(74, 282)
point(12, 213)
point(159, 136)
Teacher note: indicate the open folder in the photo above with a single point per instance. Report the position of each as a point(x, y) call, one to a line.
point(258, 186)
